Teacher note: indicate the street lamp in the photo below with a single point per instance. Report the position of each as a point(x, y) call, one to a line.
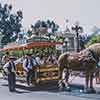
point(67, 29)
point(77, 30)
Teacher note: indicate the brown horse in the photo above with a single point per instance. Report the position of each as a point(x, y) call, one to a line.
point(86, 61)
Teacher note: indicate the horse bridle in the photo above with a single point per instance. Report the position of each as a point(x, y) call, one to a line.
point(94, 55)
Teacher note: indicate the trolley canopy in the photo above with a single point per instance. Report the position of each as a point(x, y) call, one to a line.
point(31, 45)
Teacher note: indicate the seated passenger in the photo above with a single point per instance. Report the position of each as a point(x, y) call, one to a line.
point(52, 59)
point(38, 60)
point(5, 58)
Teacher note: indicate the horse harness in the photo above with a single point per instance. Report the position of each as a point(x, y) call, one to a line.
point(94, 55)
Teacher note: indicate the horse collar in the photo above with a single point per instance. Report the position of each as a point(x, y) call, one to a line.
point(94, 55)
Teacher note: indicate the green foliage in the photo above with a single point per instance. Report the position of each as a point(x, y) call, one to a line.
point(41, 50)
point(94, 39)
point(42, 27)
point(10, 23)
point(60, 39)
point(17, 53)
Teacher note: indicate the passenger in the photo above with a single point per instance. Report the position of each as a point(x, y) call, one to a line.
point(42, 60)
point(52, 59)
point(55, 60)
point(9, 68)
point(29, 67)
point(45, 59)
point(38, 60)
point(5, 58)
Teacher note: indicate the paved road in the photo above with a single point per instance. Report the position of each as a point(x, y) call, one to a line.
point(50, 93)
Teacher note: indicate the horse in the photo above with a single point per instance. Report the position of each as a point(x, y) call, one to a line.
point(85, 60)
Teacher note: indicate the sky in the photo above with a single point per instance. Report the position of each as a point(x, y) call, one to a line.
point(84, 11)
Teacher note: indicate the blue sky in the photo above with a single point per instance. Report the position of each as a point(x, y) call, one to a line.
point(84, 11)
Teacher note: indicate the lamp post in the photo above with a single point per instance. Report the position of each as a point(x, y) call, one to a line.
point(77, 30)
point(67, 29)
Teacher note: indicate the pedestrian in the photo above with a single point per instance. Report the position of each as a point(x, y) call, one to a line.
point(52, 59)
point(28, 65)
point(10, 69)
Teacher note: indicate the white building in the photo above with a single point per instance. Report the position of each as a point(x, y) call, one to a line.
point(70, 40)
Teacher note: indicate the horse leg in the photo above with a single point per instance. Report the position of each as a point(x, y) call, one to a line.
point(60, 83)
point(91, 83)
point(67, 77)
point(86, 83)
point(63, 83)
point(60, 73)
point(65, 80)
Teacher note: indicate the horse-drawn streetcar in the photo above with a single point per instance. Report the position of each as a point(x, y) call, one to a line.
point(44, 72)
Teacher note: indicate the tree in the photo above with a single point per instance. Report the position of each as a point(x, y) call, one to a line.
point(94, 39)
point(43, 26)
point(39, 27)
point(95, 32)
point(10, 24)
point(51, 24)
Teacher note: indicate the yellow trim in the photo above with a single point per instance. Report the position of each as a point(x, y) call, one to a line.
point(49, 69)
point(48, 78)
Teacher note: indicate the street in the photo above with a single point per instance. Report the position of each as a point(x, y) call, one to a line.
point(43, 93)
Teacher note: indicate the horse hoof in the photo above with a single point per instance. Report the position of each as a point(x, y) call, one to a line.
point(89, 90)
point(86, 90)
point(92, 90)
point(68, 89)
point(61, 89)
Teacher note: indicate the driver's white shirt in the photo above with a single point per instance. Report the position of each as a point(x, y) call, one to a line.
point(5, 67)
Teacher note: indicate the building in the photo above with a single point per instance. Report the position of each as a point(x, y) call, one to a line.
point(70, 40)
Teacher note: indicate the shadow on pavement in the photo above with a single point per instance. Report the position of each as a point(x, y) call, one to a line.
point(20, 89)
point(74, 92)
point(21, 92)
point(52, 87)
point(17, 91)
